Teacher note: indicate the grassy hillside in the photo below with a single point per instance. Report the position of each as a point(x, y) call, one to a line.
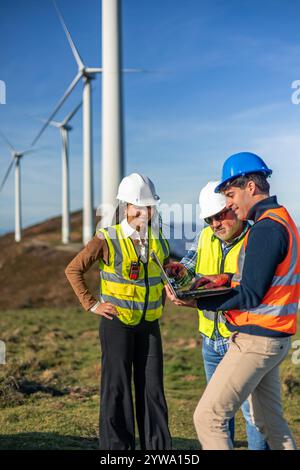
point(49, 387)
point(32, 271)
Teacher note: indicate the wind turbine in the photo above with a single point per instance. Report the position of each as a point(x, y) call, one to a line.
point(86, 74)
point(112, 119)
point(15, 161)
point(65, 128)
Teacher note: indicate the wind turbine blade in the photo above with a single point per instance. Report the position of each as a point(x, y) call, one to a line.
point(40, 119)
point(7, 173)
point(51, 123)
point(94, 70)
point(69, 37)
point(54, 123)
point(27, 151)
point(72, 114)
point(100, 70)
point(158, 71)
point(58, 106)
point(11, 147)
point(134, 70)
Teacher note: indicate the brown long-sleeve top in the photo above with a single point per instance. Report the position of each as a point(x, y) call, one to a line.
point(95, 250)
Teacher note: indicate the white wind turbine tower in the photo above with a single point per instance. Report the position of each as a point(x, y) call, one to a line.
point(112, 118)
point(16, 161)
point(65, 128)
point(86, 74)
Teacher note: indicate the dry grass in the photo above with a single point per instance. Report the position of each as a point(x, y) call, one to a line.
point(49, 387)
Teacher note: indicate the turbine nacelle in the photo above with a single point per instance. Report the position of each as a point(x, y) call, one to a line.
point(66, 127)
point(17, 155)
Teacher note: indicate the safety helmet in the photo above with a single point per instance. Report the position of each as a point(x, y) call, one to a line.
point(138, 190)
point(241, 164)
point(210, 202)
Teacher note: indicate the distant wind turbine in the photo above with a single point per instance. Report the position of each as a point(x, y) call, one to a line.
point(64, 128)
point(15, 161)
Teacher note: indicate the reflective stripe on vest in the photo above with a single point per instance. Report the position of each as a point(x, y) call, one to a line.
point(129, 295)
point(279, 306)
point(209, 259)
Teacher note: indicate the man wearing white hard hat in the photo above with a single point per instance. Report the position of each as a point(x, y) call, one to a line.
point(215, 253)
point(130, 305)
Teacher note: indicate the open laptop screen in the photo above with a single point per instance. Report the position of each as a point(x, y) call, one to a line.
point(187, 294)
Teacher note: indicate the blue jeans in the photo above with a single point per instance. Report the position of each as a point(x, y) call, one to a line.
point(255, 439)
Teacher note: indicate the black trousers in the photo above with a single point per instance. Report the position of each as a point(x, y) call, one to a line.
point(137, 349)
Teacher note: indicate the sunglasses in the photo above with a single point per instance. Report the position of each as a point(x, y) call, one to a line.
point(217, 217)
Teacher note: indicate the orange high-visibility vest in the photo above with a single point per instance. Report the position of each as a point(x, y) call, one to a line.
point(278, 308)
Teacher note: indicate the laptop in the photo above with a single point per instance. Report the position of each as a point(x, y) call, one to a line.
point(188, 294)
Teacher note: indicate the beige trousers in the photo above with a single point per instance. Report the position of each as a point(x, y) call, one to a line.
point(249, 369)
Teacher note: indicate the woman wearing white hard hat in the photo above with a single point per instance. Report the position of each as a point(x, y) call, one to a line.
point(131, 303)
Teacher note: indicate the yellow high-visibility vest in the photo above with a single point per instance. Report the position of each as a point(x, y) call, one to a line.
point(133, 299)
point(210, 261)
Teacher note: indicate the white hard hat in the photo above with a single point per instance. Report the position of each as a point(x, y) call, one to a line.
point(138, 190)
point(210, 202)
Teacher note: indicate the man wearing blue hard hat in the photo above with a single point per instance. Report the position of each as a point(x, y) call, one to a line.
point(241, 164)
point(260, 311)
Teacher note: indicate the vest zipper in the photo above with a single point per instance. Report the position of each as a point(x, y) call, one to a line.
point(222, 265)
point(147, 290)
point(146, 280)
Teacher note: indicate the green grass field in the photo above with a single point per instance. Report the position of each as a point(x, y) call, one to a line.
point(49, 396)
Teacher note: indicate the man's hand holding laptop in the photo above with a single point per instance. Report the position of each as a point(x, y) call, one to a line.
point(176, 301)
point(212, 281)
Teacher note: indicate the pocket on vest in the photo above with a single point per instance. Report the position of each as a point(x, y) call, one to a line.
point(118, 290)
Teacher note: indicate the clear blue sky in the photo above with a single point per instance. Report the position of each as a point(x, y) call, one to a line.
point(221, 83)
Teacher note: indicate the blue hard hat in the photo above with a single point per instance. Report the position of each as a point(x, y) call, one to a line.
point(241, 164)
